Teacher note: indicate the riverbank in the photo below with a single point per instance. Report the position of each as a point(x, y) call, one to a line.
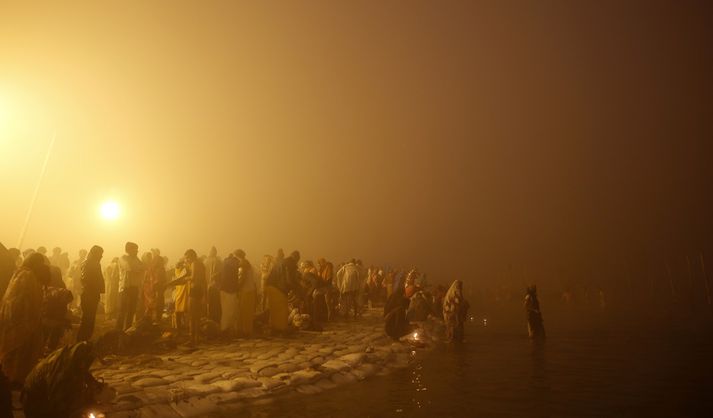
point(223, 377)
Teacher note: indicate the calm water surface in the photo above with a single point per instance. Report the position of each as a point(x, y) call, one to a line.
point(603, 370)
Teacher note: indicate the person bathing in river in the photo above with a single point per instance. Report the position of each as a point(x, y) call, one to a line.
point(535, 328)
point(455, 310)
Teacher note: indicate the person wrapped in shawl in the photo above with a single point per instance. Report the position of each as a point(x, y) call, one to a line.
point(21, 337)
point(535, 327)
point(395, 323)
point(455, 310)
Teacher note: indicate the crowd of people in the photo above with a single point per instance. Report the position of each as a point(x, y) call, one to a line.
point(200, 296)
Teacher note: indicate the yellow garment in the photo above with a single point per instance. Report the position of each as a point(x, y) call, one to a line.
point(181, 295)
point(246, 312)
point(277, 303)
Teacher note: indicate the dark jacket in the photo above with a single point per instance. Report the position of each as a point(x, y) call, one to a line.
point(229, 278)
point(92, 278)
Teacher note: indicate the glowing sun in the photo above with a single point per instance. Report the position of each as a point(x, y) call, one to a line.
point(109, 210)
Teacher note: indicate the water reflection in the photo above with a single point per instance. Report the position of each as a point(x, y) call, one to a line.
point(499, 373)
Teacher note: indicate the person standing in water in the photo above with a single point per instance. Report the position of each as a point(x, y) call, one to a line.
point(455, 311)
point(535, 328)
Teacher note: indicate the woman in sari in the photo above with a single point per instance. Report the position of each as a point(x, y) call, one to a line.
point(21, 337)
point(180, 297)
point(455, 310)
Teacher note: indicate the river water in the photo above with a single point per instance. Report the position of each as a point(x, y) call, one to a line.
point(603, 369)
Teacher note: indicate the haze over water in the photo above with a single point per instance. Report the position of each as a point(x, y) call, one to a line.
point(562, 139)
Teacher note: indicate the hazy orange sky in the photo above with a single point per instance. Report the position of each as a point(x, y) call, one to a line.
point(557, 136)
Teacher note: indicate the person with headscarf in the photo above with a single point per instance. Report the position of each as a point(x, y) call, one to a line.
point(55, 307)
point(535, 327)
point(247, 296)
point(93, 286)
point(455, 310)
point(213, 269)
point(276, 288)
point(21, 337)
point(349, 285)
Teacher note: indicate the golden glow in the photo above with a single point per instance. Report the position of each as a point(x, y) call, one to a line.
point(110, 210)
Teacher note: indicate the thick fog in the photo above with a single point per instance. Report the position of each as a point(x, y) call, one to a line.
point(476, 140)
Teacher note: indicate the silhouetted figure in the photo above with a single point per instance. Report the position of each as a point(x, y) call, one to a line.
point(197, 290)
point(111, 297)
point(16, 256)
point(331, 295)
point(54, 315)
point(131, 273)
point(535, 327)
point(7, 268)
point(349, 283)
point(60, 260)
point(75, 274)
point(276, 288)
point(154, 286)
point(213, 269)
point(395, 323)
point(5, 396)
point(455, 311)
point(92, 287)
point(228, 286)
point(61, 386)
point(247, 296)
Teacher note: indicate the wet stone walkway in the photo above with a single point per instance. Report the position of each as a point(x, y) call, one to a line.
point(226, 377)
